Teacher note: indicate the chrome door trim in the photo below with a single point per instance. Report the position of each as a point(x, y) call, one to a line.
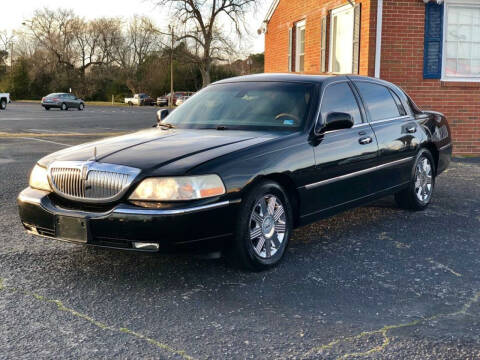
point(445, 147)
point(357, 173)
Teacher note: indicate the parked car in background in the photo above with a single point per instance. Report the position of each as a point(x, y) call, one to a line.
point(4, 100)
point(181, 100)
point(163, 100)
point(140, 100)
point(62, 101)
point(240, 165)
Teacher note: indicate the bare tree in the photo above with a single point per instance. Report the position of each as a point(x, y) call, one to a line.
point(6, 43)
point(202, 28)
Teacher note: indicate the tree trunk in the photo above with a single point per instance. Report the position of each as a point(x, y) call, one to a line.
point(205, 71)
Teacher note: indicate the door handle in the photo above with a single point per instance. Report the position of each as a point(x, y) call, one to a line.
point(411, 129)
point(365, 140)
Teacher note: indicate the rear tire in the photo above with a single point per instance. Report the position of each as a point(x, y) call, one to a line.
point(263, 228)
point(3, 104)
point(418, 195)
point(64, 107)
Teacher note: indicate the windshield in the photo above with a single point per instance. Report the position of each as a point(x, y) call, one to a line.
point(246, 105)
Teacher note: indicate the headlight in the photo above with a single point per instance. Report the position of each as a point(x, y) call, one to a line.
point(179, 188)
point(39, 179)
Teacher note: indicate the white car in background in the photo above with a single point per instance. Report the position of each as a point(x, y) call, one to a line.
point(181, 100)
point(4, 100)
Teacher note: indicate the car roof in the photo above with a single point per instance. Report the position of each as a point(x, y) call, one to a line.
point(289, 77)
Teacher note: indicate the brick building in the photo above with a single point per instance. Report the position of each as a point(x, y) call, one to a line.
point(429, 48)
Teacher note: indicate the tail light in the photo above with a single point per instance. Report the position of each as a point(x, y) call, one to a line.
point(43, 99)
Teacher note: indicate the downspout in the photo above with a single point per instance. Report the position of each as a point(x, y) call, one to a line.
point(378, 46)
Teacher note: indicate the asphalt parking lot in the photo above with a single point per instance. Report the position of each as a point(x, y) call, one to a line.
point(374, 282)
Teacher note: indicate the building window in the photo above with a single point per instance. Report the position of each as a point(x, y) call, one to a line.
point(344, 39)
point(296, 47)
point(461, 60)
point(300, 47)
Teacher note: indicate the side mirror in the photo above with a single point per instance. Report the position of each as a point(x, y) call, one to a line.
point(337, 121)
point(161, 115)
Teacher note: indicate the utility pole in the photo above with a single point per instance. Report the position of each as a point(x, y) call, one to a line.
point(11, 56)
point(172, 33)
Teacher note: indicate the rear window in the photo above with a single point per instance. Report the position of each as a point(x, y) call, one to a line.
point(378, 100)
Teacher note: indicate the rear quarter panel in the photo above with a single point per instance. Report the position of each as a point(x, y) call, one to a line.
point(439, 134)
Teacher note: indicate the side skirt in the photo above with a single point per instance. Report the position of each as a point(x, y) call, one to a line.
point(324, 213)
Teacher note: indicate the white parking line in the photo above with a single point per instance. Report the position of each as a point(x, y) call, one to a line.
point(42, 140)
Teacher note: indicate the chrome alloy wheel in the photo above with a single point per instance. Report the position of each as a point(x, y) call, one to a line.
point(423, 180)
point(267, 226)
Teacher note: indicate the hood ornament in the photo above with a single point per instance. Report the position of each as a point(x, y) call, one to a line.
point(95, 154)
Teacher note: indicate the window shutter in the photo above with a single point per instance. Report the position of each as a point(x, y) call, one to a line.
point(323, 48)
point(356, 39)
point(432, 56)
point(290, 48)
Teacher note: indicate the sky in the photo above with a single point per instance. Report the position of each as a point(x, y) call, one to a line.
point(15, 12)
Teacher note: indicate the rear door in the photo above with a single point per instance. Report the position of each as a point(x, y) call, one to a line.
point(71, 100)
point(341, 156)
point(395, 130)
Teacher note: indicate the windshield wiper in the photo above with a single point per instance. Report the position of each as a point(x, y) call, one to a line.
point(166, 125)
point(221, 127)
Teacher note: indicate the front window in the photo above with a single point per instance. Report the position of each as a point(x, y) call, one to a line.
point(462, 40)
point(339, 98)
point(246, 106)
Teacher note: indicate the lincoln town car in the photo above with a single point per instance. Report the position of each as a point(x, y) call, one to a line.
point(240, 165)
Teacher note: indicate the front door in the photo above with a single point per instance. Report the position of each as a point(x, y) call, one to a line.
point(342, 157)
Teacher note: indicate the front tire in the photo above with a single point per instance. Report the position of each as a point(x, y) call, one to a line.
point(47, 107)
point(263, 228)
point(3, 104)
point(81, 107)
point(418, 195)
point(63, 107)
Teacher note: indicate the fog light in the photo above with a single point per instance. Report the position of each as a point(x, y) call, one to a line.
point(146, 246)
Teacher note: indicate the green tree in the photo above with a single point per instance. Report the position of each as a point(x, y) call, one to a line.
point(19, 87)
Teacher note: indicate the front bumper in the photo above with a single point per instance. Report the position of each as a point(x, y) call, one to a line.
point(202, 228)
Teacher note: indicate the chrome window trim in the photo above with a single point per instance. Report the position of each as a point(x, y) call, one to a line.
point(357, 173)
point(353, 127)
point(390, 119)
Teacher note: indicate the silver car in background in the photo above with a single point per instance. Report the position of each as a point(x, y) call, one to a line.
point(62, 101)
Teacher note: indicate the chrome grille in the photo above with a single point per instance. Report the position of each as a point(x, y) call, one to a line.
point(90, 181)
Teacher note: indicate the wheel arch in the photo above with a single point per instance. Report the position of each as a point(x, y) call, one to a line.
point(434, 151)
point(288, 185)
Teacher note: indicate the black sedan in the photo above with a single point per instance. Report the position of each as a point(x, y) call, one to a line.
point(240, 165)
point(62, 101)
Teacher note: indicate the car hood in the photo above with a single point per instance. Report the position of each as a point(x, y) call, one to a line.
point(155, 148)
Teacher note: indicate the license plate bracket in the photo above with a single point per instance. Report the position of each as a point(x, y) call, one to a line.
point(71, 229)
